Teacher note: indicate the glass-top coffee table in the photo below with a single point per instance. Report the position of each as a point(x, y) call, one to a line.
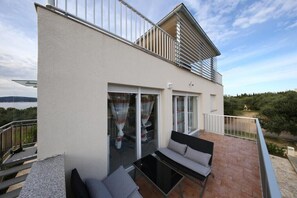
point(160, 174)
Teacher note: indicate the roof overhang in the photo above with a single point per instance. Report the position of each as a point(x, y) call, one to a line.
point(181, 8)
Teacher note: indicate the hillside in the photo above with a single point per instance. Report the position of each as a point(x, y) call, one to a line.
point(17, 99)
point(277, 111)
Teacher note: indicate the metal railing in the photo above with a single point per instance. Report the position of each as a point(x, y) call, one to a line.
point(243, 127)
point(270, 187)
point(247, 128)
point(17, 134)
point(121, 20)
point(214, 123)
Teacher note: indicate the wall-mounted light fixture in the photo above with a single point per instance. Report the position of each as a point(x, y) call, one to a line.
point(169, 85)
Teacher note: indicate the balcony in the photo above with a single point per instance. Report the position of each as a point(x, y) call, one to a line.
point(241, 164)
point(17, 154)
point(17, 135)
point(177, 38)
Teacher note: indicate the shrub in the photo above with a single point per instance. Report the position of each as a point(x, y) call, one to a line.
point(274, 149)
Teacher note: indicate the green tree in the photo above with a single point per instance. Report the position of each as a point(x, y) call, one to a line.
point(11, 114)
point(230, 105)
point(281, 113)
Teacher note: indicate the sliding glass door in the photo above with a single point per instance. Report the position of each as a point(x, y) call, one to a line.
point(132, 126)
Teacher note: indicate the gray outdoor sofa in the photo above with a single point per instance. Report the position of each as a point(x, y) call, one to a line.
point(117, 185)
point(189, 155)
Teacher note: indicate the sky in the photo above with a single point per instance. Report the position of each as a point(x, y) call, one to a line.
point(257, 40)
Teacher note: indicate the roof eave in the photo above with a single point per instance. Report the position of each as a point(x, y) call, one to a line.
point(182, 8)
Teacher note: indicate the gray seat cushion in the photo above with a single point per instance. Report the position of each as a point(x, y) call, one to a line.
point(120, 184)
point(202, 170)
point(97, 189)
point(135, 194)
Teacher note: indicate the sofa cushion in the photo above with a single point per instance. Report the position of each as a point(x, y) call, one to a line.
point(198, 168)
point(97, 189)
point(197, 156)
point(177, 147)
point(77, 185)
point(120, 184)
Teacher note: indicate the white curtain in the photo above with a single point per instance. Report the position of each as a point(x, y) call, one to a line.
point(180, 114)
point(147, 103)
point(119, 107)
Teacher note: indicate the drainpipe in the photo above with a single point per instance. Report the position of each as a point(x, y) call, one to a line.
point(51, 2)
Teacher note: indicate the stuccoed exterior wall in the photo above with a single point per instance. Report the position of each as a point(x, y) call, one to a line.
point(76, 64)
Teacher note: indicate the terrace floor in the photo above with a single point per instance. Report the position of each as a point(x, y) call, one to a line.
point(235, 169)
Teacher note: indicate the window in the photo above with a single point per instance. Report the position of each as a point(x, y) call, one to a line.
point(185, 113)
point(213, 104)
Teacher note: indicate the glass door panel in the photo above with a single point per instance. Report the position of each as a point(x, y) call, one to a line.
point(192, 114)
point(174, 113)
point(149, 124)
point(180, 114)
point(121, 129)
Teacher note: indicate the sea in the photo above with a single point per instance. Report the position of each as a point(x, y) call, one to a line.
point(18, 105)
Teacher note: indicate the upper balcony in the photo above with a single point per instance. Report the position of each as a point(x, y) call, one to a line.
point(177, 38)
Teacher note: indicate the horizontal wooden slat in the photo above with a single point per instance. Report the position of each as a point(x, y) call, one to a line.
point(13, 181)
point(3, 166)
point(15, 169)
point(12, 194)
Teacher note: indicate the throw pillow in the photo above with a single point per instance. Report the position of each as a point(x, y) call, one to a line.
point(197, 156)
point(120, 184)
point(177, 147)
point(97, 189)
point(77, 186)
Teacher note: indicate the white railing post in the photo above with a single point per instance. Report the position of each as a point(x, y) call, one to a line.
point(86, 10)
point(76, 7)
point(101, 13)
point(51, 2)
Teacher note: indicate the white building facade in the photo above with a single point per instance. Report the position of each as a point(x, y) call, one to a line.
point(105, 102)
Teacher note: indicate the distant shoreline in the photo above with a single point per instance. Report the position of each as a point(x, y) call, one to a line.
point(16, 101)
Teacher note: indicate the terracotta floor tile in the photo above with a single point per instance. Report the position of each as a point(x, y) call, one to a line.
point(245, 195)
point(235, 167)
